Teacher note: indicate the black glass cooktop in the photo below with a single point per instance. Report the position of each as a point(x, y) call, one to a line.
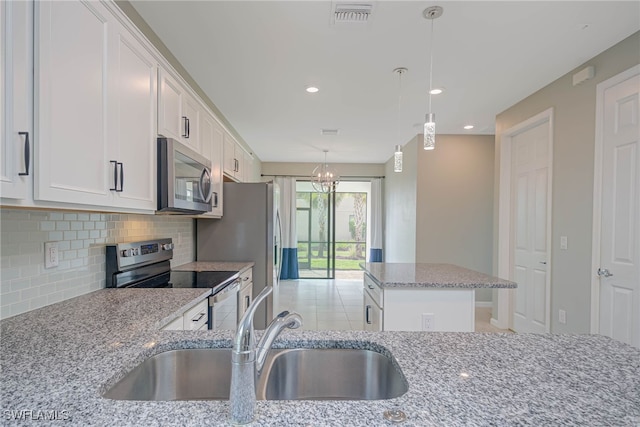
point(200, 279)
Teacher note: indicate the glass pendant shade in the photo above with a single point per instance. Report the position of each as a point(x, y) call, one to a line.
point(397, 159)
point(430, 131)
point(324, 178)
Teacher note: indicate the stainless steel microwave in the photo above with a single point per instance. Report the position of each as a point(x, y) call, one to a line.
point(184, 179)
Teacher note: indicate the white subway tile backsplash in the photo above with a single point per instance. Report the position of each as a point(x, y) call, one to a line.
point(81, 237)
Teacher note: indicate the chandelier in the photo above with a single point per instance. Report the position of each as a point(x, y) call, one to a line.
point(324, 178)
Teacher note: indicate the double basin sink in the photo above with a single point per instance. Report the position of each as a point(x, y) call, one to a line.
point(288, 374)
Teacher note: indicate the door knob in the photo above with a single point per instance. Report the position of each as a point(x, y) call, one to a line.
point(603, 272)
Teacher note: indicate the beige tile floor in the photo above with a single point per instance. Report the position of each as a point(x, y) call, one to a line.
point(337, 304)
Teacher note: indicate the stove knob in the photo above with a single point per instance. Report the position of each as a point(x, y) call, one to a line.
point(167, 246)
point(127, 252)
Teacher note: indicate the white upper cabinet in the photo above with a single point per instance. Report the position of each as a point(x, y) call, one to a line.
point(237, 162)
point(211, 137)
point(178, 112)
point(247, 173)
point(171, 123)
point(135, 111)
point(192, 112)
point(16, 133)
point(71, 91)
point(95, 109)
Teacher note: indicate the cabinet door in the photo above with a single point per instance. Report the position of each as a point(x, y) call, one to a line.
point(247, 173)
point(170, 115)
point(134, 105)
point(191, 121)
point(372, 314)
point(211, 138)
point(230, 162)
point(16, 135)
point(72, 157)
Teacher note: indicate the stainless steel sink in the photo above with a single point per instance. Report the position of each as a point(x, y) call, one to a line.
point(289, 374)
point(190, 374)
point(331, 374)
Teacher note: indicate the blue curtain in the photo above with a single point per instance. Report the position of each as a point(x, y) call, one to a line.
point(287, 215)
point(289, 264)
point(375, 249)
point(375, 255)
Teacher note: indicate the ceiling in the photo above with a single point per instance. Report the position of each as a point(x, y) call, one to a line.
point(254, 59)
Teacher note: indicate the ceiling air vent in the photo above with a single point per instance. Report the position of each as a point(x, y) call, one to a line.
point(347, 13)
point(329, 132)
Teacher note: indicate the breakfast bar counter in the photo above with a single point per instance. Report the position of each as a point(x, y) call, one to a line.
point(58, 360)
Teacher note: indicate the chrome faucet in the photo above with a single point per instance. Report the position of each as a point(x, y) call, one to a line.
point(244, 366)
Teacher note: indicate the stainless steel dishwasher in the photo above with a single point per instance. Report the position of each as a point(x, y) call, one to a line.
point(224, 307)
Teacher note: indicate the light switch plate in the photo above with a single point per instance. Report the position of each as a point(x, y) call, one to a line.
point(564, 244)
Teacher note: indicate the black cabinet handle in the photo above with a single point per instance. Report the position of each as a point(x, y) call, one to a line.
point(115, 175)
point(184, 127)
point(188, 127)
point(247, 300)
point(27, 155)
point(215, 199)
point(366, 314)
point(121, 178)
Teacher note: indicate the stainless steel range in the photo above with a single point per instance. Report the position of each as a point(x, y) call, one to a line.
point(147, 264)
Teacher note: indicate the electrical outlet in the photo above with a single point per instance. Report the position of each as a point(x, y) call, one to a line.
point(428, 322)
point(564, 243)
point(562, 316)
point(50, 254)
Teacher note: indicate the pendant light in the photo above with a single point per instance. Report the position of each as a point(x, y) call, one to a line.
point(397, 155)
point(324, 178)
point(430, 13)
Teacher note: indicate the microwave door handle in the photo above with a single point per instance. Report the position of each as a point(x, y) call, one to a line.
point(205, 175)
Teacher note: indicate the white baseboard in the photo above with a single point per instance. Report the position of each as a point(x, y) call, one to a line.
point(496, 324)
point(484, 304)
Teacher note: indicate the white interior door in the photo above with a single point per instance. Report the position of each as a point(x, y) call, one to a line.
point(529, 231)
point(619, 266)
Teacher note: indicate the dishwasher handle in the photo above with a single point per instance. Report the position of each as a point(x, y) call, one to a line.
point(229, 291)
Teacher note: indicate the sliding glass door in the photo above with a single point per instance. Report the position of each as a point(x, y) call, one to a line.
point(316, 232)
point(332, 230)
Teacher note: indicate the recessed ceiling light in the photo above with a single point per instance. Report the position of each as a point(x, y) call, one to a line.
point(436, 91)
point(467, 127)
point(312, 89)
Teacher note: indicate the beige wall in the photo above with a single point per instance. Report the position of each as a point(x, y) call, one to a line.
point(305, 169)
point(400, 196)
point(455, 204)
point(573, 157)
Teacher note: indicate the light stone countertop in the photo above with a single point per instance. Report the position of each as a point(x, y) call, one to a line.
point(425, 275)
point(60, 358)
point(215, 266)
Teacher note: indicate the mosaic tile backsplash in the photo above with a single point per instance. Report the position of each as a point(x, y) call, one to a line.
point(25, 284)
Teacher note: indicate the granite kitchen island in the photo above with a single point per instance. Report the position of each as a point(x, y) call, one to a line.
point(58, 360)
point(423, 296)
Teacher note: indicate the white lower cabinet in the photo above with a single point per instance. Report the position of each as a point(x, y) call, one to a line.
point(418, 309)
point(372, 314)
point(194, 319)
point(95, 109)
